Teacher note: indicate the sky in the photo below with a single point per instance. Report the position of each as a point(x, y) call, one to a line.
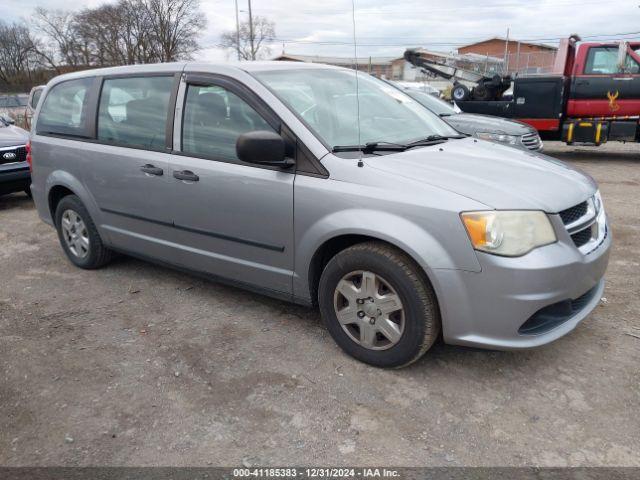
point(387, 27)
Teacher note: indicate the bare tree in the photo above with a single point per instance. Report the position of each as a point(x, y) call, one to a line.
point(18, 55)
point(175, 25)
point(60, 32)
point(251, 47)
point(127, 32)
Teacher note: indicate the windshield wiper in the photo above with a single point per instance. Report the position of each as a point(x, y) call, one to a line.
point(395, 147)
point(371, 147)
point(433, 138)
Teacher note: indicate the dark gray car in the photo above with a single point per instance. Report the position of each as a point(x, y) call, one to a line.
point(487, 127)
point(14, 171)
point(280, 178)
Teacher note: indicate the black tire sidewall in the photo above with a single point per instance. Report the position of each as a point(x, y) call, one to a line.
point(72, 202)
point(460, 88)
point(412, 339)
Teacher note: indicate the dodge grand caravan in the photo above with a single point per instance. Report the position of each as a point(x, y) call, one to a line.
point(261, 175)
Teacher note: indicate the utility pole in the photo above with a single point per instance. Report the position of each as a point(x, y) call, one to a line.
point(237, 32)
point(253, 53)
point(506, 54)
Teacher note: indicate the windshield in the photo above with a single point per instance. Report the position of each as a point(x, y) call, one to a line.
point(437, 106)
point(326, 100)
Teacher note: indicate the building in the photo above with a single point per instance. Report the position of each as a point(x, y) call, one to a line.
point(376, 66)
point(521, 57)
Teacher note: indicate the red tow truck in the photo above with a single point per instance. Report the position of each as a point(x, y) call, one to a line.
point(591, 96)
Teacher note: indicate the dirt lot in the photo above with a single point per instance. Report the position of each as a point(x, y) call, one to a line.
point(140, 365)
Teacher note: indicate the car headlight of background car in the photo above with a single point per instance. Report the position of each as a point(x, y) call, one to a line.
point(510, 233)
point(498, 137)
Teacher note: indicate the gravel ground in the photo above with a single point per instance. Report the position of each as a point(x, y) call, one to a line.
point(137, 364)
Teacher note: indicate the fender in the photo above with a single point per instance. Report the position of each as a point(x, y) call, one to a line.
point(418, 243)
point(65, 179)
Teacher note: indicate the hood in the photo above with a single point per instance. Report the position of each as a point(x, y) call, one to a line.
point(11, 136)
point(495, 175)
point(470, 123)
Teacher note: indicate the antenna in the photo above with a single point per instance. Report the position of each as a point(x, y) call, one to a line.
point(355, 54)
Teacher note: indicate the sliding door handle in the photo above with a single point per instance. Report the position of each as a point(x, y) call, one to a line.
point(186, 175)
point(151, 169)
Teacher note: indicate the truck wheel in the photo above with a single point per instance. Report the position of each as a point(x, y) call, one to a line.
point(481, 93)
point(78, 235)
point(378, 305)
point(460, 93)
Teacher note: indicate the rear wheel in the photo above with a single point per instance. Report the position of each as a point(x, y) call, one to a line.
point(78, 235)
point(481, 92)
point(378, 305)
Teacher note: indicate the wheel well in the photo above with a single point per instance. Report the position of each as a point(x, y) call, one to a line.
point(56, 194)
point(326, 252)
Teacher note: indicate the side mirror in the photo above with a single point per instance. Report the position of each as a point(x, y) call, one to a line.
point(263, 147)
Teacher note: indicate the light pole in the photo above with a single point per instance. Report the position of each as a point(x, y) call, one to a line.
point(253, 53)
point(237, 32)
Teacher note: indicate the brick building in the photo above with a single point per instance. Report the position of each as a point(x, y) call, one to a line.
point(522, 57)
point(377, 66)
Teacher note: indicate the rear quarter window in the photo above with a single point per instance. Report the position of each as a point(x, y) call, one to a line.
point(64, 110)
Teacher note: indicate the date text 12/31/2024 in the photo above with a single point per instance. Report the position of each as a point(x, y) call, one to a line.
point(314, 473)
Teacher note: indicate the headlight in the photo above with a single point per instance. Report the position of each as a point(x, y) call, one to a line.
point(597, 201)
point(508, 233)
point(498, 137)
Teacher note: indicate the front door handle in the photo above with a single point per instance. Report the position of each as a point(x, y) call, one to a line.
point(186, 175)
point(151, 169)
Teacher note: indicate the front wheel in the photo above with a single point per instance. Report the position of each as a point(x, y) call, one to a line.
point(378, 305)
point(460, 93)
point(78, 235)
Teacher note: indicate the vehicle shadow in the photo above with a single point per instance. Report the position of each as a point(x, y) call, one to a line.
point(441, 359)
point(15, 200)
point(584, 155)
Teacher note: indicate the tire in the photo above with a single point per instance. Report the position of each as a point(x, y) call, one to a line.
point(415, 327)
point(482, 93)
point(28, 192)
point(460, 93)
point(95, 255)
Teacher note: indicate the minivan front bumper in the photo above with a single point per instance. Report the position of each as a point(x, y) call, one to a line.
point(553, 287)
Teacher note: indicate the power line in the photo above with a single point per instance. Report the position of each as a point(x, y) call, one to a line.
point(395, 41)
point(385, 12)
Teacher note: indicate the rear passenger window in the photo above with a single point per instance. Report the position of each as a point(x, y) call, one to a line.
point(64, 110)
point(133, 111)
point(213, 120)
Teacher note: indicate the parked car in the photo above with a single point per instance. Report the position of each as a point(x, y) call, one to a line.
point(486, 127)
point(418, 86)
point(32, 103)
point(14, 171)
point(13, 106)
point(269, 176)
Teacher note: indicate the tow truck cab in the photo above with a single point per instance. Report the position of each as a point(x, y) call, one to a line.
point(591, 96)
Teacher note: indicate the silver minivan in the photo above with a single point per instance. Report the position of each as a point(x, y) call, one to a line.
point(322, 187)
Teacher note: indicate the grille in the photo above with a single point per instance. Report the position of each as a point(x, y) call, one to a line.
point(582, 237)
point(550, 317)
point(20, 152)
point(531, 141)
point(574, 213)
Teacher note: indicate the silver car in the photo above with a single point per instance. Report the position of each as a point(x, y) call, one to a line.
point(487, 127)
point(298, 182)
